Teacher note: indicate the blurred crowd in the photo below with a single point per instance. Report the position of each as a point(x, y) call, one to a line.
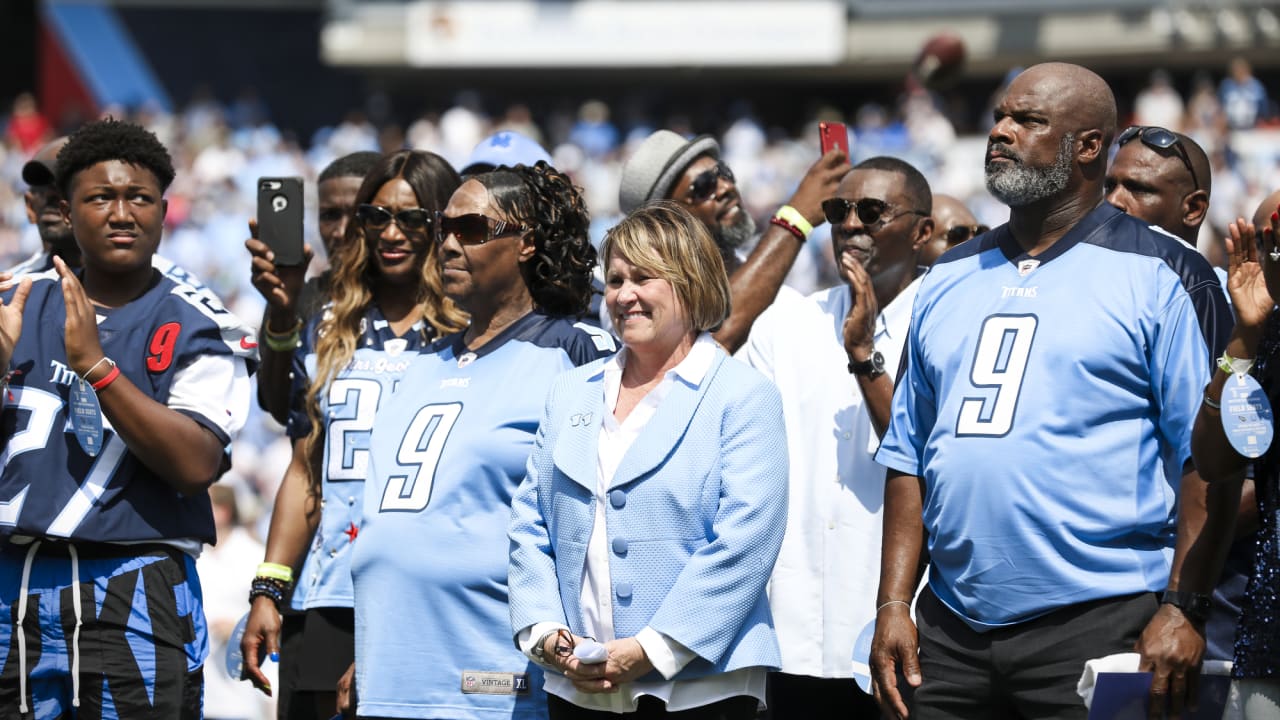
point(220, 148)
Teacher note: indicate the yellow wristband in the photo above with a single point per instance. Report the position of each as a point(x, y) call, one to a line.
point(285, 344)
point(276, 571)
point(1234, 366)
point(793, 216)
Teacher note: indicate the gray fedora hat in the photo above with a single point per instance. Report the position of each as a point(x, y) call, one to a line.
point(656, 165)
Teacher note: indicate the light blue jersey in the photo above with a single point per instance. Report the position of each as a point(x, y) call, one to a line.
point(1048, 405)
point(433, 635)
point(348, 406)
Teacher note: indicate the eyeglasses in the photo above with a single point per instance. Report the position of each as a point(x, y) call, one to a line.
point(1159, 138)
point(959, 233)
point(473, 228)
point(871, 212)
point(376, 217)
point(704, 186)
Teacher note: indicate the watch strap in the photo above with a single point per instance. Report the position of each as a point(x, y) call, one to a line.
point(1194, 605)
point(872, 367)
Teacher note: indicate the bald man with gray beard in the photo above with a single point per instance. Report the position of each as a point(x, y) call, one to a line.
point(1039, 447)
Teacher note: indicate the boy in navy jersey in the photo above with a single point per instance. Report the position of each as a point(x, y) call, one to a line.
point(124, 388)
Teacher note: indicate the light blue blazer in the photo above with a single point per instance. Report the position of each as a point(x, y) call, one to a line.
point(695, 516)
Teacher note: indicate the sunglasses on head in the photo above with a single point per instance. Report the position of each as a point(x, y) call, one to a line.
point(473, 228)
point(704, 186)
point(959, 233)
point(1159, 138)
point(376, 217)
point(871, 213)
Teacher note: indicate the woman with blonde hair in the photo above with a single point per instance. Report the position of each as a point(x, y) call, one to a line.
point(385, 306)
point(655, 500)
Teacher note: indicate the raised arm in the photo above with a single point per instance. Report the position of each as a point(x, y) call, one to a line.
point(280, 286)
point(755, 284)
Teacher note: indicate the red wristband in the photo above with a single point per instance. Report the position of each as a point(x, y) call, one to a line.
point(107, 379)
point(788, 227)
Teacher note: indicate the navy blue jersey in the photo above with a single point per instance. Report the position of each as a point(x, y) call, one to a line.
point(347, 405)
point(430, 569)
point(178, 345)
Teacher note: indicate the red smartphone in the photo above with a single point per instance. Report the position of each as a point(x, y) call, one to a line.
point(834, 135)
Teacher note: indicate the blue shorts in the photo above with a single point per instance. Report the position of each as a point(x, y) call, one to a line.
point(142, 639)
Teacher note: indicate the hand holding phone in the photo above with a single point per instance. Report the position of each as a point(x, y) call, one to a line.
point(833, 135)
point(280, 218)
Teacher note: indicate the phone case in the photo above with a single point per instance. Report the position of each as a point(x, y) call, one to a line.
point(833, 135)
point(280, 218)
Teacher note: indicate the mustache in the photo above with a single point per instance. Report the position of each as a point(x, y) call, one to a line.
point(1004, 151)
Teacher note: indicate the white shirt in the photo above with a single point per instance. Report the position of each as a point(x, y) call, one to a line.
point(668, 656)
point(823, 587)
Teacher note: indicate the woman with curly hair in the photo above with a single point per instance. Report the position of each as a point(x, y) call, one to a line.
point(449, 449)
point(385, 307)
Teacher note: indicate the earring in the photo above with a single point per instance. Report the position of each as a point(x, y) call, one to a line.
point(1274, 254)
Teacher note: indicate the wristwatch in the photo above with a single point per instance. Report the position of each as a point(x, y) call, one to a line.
point(872, 367)
point(1192, 604)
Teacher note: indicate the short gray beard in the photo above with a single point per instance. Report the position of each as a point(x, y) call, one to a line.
point(1016, 184)
point(735, 235)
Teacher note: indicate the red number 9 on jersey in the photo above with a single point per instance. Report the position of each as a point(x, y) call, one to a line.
point(160, 350)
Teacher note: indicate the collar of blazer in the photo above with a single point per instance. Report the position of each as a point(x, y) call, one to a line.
point(578, 430)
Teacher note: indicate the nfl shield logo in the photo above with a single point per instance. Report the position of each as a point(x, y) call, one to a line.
point(1026, 266)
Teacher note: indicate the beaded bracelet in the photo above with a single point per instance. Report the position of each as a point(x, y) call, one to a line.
point(268, 587)
point(788, 227)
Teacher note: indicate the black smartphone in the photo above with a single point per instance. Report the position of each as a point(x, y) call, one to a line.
point(280, 218)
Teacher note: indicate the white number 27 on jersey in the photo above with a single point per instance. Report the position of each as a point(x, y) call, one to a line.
point(419, 454)
point(1000, 362)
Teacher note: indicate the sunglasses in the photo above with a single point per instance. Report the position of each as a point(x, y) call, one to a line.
point(376, 217)
point(472, 229)
point(1159, 138)
point(960, 233)
point(871, 213)
point(704, 186)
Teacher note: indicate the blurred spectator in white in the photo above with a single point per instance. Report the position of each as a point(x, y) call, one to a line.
point(1229, 192)
point(1244, 100)
point(226, 571)
point(424, 133)
point(220, 160)
point(461, 128)
point(1158, 103)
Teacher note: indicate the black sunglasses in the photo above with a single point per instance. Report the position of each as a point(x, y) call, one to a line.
point(704, 186)
point(960, 233)
point(871, 213)
point(1159, 138)
point(473, 228)
point(376, 217)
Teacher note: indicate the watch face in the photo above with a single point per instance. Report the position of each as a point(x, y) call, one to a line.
point(877, 361)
